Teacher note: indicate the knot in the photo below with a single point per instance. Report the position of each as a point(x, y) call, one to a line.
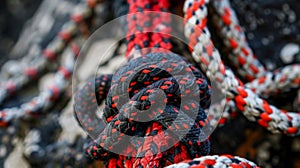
point(154, 108)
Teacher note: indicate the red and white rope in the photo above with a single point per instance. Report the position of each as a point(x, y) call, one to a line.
point(204, 52)
point(215, 161)
point(240, 54)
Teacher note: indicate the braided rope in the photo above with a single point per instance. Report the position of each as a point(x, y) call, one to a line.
point(271, 84)
point(253, 107)
point(137, 38)
point(242, 97)
point(87, 96)
point(215, 161)
point(240, 54)
point(265, 83)
point(148, 31)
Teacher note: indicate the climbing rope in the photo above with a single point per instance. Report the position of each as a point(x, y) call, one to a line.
point(265, 83)
point(148, 43)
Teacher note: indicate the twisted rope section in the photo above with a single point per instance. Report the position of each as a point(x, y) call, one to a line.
point(93, 92)
point(282, 80)
point(240, 97)
point(122, 115)
point(263, 83)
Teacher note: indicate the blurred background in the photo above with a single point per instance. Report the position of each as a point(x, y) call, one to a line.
point(13, 16)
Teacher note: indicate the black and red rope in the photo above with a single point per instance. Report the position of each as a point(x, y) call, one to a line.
point(141, 86)
point(149, 30)
point(148, 26)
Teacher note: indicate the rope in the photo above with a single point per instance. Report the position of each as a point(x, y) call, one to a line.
point(144, 34)
point(160, 119)
point(239, 52)
point(215, 161)
point(119, 112)
point(252, 106)
point(147, 33)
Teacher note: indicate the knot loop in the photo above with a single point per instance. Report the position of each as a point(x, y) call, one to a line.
point(155, 104)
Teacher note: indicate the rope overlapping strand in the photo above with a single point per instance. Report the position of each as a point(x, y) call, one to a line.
point(271, 84)
point(252, 106)
point(176, 154)
point(240, 97)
